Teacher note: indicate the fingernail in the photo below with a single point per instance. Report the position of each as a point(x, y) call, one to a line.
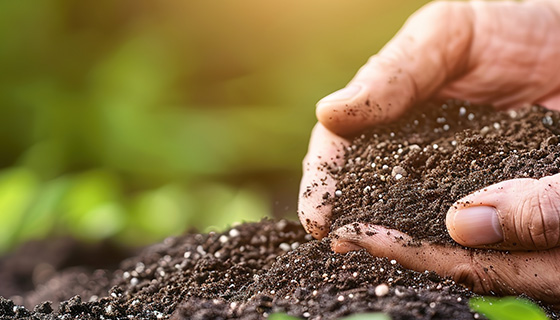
point(344, 246)
point(342, 94)
point(478, 225)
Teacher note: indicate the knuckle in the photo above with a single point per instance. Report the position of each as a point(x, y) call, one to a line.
point(472, 275)
point(479, 275)
point(538, 217)
point(532, 224)
point(544, 225)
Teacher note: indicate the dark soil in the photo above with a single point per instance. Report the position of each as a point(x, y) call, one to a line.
point(247, 272)
point(407, 175)
point(255, 269)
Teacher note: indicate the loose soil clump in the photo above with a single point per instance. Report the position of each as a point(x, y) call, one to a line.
point(416, 168)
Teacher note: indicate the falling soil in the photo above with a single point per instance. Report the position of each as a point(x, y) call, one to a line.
point(256, 269)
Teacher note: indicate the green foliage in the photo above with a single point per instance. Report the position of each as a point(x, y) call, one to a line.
point(18, 187)
point(508, 308)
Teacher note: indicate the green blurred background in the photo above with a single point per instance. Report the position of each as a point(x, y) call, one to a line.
point(133, 120)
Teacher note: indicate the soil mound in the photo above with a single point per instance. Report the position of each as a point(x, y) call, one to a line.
point(248, 272)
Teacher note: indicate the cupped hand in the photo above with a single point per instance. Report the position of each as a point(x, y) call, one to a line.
point(500, 53)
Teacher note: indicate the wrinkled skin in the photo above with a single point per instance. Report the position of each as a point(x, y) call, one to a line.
point(500, 53)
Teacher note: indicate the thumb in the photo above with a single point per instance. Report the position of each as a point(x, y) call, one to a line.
point(518, 214)
point(429, 50)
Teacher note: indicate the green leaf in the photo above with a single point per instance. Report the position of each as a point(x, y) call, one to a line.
point(90, 208)
point(281, 316)
point(18, 187)
point(508, 308)
point(41, 217)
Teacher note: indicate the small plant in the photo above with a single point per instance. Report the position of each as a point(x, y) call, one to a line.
point(508, 308)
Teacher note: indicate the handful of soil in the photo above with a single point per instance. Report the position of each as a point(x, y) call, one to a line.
point(407, 174)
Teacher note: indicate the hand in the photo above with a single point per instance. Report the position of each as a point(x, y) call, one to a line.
point(501, 53)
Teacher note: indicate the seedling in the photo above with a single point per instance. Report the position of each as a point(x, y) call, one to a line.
point(508, 308)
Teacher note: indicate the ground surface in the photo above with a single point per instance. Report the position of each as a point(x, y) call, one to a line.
point(255, 269)
point(247, 272)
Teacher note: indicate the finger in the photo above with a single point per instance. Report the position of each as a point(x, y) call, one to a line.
point(532, 273)
point(431, 48)
point(317, 188)
point(518, 214)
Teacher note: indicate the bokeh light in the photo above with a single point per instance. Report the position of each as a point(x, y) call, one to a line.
point(135, 120)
